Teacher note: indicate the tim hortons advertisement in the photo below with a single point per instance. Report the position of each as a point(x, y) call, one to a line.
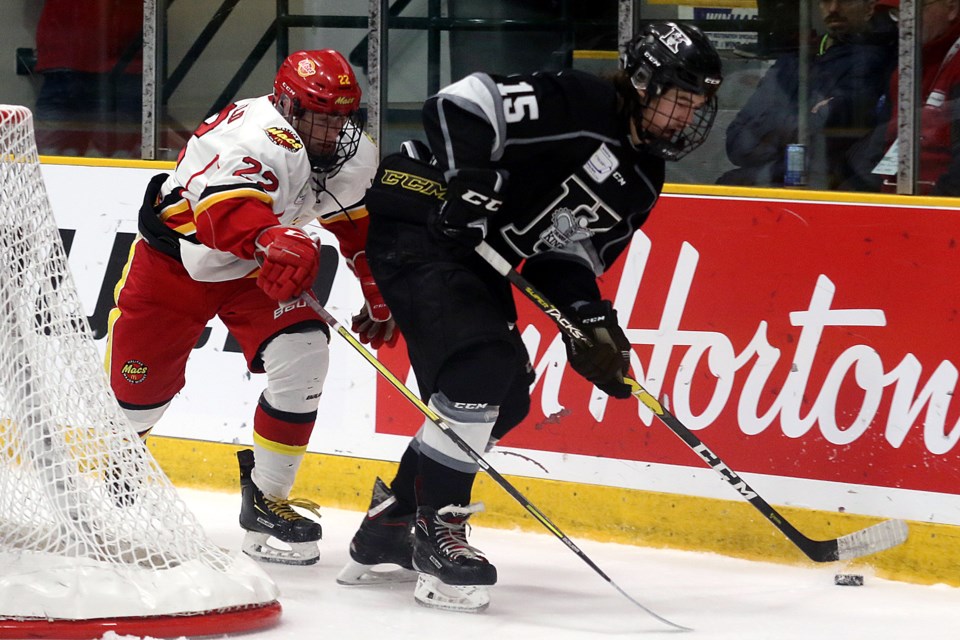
point(811, 345)
point(807, 339)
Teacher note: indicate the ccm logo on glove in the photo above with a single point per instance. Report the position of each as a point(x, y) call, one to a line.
point(473, 195)
point(480, 200)
point(605, 360)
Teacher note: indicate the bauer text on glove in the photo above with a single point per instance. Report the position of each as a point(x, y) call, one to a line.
point(289, 260)
point(607, 360)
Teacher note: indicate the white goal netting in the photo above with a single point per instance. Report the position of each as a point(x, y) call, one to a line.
point(90, 527)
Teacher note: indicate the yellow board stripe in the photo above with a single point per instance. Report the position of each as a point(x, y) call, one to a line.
point(767, 193)
point(595, 54)
point(608, 514)
point(108, 162)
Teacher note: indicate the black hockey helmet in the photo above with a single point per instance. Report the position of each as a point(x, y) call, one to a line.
point(671, 54)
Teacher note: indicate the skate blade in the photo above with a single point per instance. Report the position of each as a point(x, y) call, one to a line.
point(257, 546)
point(356, 574)
point(430, 592)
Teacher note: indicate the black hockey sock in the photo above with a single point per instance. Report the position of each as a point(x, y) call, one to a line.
point(404, 483)
point(444, 486)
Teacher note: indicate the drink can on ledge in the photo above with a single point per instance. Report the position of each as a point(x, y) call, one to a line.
point(796, 173)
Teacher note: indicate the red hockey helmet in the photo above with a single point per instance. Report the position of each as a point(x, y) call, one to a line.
point(319, 81)
point(317, 92)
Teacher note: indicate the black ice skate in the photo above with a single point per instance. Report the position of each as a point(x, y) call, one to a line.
point(453, 575)
point(265, 518)
point(382, 539)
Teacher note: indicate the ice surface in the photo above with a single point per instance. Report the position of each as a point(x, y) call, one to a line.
point(546, 592)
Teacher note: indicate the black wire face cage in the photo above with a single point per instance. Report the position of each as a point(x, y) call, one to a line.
point(677, 143)
point(345, 147)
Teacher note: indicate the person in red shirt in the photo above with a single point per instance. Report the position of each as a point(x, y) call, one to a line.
point(939, 134)
point(89, 53)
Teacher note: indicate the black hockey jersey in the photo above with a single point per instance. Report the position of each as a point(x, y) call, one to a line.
point(577, 187)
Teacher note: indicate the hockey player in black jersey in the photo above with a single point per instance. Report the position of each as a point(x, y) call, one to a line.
point(556, 171)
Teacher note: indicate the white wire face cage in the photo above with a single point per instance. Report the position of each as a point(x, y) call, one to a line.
point(330, 140)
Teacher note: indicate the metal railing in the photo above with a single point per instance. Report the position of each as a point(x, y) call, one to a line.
point(371, 54)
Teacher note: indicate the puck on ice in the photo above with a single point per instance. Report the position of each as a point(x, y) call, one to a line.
point(848, 580)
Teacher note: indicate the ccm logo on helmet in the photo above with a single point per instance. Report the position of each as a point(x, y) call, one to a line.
point(674, 38)
point(306, 68)
point(284, 138)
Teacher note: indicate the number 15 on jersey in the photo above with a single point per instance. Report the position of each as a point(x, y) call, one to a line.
point(519, 101)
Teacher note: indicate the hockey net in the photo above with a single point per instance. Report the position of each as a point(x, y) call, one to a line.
point(93, 536)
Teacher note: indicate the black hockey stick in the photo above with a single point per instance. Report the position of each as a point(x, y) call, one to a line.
point(467, 449)
point(872, 539)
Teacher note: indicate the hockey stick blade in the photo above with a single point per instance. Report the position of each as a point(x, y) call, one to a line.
point(867, 541)
point(879, 537)
point(505, 484)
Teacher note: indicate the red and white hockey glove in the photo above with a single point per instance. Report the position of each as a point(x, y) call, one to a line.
point(289, 260)
point(374, 323)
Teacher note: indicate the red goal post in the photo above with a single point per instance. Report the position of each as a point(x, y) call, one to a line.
point(93, 536)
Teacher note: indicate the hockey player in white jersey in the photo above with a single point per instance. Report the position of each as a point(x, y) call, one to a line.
point(223, 236)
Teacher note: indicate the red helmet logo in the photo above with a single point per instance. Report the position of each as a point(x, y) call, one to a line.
point(306, 68)
point(320, 81)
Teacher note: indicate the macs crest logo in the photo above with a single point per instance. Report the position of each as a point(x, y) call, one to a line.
point(284, 138)
point(134, 371)
point(306, 68)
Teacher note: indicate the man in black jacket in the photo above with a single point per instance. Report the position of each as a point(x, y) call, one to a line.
point(849, 72)
point(555, 171)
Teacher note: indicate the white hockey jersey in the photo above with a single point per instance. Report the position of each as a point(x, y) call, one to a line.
point(249, 150)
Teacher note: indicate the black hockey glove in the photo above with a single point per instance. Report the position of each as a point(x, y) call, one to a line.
point(607, 360)
point(473, 195)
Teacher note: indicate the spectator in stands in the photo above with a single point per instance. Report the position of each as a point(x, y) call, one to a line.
point(89, 54)
point(874, 164)
point(848, 73)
